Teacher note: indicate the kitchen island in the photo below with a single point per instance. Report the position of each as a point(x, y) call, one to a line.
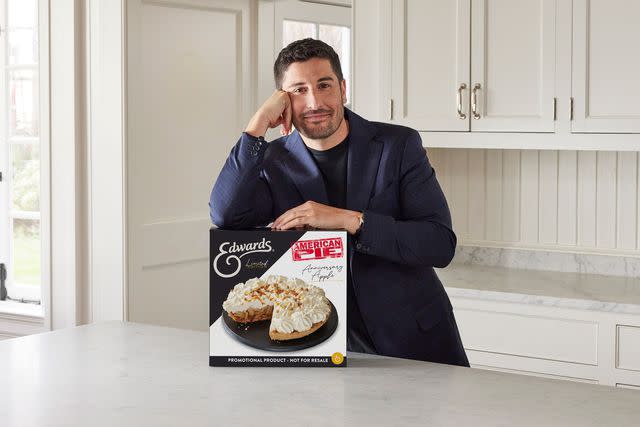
point(126, 374)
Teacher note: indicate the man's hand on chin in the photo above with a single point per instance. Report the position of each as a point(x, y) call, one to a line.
point(317, 215)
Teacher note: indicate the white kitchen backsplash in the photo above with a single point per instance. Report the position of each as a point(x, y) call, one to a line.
point(548, 200)
point(610, 265)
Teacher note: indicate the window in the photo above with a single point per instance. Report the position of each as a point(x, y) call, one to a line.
point(20, 145)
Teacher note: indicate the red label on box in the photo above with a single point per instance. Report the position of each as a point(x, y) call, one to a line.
point(305, 250)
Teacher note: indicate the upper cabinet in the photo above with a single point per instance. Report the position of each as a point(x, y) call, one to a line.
point(540, 74)
point(606, 66)
point(430, 64)
point(513, 61)
point(482, 65)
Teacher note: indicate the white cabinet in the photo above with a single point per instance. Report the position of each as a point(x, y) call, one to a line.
point(606, 66)
point(430, 64)
point(574, 344)
point(513, 65)
point(548, 74)
point(485, 65)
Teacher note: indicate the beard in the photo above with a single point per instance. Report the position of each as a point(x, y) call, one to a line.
point(320, 130)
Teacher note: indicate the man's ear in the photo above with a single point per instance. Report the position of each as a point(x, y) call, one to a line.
point(343, 91)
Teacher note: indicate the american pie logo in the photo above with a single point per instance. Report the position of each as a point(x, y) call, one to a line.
point(305, 250)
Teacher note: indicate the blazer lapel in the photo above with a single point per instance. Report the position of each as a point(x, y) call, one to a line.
point(362, 163)
point(303, 170)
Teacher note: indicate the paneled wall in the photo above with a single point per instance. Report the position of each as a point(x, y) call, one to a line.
point(583, 201)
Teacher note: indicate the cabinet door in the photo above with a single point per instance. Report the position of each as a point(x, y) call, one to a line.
point(606, 66)
point(513, 65)
point(430, 63)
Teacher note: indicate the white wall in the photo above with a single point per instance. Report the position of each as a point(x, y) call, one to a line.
point(583, 201)
point(67, 293)
point(105, 161)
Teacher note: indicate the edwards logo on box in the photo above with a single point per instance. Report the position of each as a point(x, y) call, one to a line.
point(232, 253)
point(305, 250)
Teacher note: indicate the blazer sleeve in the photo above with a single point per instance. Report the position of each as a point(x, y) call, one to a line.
point(422, 235)
point(241, 197)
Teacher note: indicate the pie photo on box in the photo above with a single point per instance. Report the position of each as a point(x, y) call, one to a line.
point(296, 308)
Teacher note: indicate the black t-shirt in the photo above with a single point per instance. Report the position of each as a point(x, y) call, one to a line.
point(333, 166)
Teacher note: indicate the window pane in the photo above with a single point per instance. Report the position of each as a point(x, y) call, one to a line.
point(23, 99)
point(23, 47)
point(295, 30)
point(22, 13)
point(339, 38)
point(25, 187)
point(26, 251)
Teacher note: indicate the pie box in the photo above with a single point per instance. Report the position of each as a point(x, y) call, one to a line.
point(317, 257)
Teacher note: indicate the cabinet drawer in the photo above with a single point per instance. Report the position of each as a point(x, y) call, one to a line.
point(548, 338)
point(628, 347)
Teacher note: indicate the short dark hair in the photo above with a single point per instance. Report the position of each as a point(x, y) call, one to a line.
point(301, 51)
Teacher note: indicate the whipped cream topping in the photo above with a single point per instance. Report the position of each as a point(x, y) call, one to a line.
point(297, 304)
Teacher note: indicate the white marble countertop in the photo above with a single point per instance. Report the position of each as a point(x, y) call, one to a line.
point(125, 374)
point(551, 288)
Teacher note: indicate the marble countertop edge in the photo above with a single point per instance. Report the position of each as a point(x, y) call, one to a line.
point(543, 300)
point(544, 288)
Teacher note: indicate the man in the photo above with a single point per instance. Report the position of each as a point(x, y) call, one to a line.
point(337, 170)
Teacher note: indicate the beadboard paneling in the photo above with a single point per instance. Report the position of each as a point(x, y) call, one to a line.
point(606, 208)
point(567, 206)
point(548, 193)
point(511, 195)
point(627, 200)
point(529, 196)
point(495, 208)
point(586, 218)
point(587, 201)
point(477, 194)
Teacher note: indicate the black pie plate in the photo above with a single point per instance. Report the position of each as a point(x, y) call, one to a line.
point(256, 334)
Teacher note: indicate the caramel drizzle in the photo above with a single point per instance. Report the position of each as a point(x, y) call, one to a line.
point(269, 290)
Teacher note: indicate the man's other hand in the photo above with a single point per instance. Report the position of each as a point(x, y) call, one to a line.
point(274, 112)
point(317, 215)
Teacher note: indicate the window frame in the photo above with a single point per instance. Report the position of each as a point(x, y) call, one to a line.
point(12, 308)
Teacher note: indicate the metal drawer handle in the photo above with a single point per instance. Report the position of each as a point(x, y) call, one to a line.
point(461, 115)
point(474, 101)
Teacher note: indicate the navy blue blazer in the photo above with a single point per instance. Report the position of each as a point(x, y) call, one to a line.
point(407, 229)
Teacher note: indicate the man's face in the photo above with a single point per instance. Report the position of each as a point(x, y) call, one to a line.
point(317, 97)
